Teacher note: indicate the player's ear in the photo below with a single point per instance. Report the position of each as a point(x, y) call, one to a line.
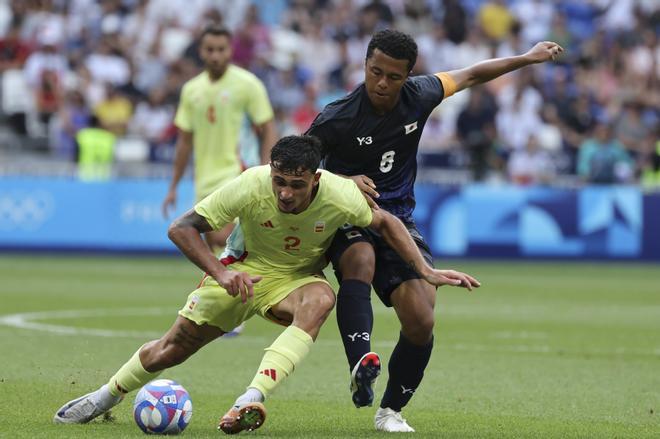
point(317, 177)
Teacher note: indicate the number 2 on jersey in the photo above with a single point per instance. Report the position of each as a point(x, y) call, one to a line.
point(292, 243)
point(210, 114)
point(387, 161)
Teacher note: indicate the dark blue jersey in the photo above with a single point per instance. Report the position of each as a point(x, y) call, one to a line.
point(357, 140)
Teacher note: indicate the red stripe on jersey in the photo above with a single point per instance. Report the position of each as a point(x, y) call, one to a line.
point(226, 261)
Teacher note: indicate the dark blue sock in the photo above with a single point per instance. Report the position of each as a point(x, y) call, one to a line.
point(406, 369)
point(355, 319)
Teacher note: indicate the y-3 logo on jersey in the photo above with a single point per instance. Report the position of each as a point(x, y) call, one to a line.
point(365, 140)
point(410, 127)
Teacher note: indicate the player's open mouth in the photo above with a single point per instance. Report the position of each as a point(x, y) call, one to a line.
point(286, 205)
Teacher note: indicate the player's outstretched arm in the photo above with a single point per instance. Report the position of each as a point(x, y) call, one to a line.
point(398, 237)
point(182, 151)
point(186, 232)
point(490, 69)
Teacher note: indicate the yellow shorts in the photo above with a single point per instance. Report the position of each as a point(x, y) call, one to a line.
point(211, 304)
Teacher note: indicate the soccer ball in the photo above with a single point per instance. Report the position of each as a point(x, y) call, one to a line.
point(162, 407)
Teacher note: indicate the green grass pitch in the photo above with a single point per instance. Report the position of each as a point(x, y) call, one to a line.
point(542, 350)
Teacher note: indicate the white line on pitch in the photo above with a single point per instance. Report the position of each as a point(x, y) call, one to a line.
point(26, 321)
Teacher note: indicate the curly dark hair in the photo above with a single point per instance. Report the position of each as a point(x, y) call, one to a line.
point(394, 43)
point(296, 154)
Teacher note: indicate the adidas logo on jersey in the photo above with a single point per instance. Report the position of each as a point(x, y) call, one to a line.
point(268, 224)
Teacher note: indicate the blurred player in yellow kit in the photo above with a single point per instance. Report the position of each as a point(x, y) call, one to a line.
point(210, 117)
point(289, 212)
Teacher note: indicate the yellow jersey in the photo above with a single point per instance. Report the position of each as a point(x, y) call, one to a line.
point(213, 112)
point(275, 242)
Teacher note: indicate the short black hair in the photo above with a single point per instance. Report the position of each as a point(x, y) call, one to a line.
point(296, 154)
point(394, 43)
point(216, 31)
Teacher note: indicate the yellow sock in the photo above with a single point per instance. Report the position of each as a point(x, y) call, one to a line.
point(130, 376)
point(281, 358)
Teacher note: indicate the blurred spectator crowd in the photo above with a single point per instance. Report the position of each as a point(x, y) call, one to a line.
point(592, 115)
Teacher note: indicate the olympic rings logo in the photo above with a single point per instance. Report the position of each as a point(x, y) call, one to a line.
point(26, 210)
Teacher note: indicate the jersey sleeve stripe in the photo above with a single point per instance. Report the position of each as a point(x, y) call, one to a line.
point(448, 83)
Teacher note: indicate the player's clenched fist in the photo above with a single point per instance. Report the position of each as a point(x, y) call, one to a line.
point(544, 51)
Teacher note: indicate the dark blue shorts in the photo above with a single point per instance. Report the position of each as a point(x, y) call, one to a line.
point(391, 271)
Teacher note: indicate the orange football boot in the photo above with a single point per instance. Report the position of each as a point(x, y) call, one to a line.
point(248, 417)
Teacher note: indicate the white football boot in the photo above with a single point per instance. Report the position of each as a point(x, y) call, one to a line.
point(87, 407)
point(388, 420)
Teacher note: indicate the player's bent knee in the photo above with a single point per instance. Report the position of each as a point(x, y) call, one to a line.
point(327, 301)
point(419, 331)
point(323, 302)
point(358, 262)
point(316, 308)
point(313, 311)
